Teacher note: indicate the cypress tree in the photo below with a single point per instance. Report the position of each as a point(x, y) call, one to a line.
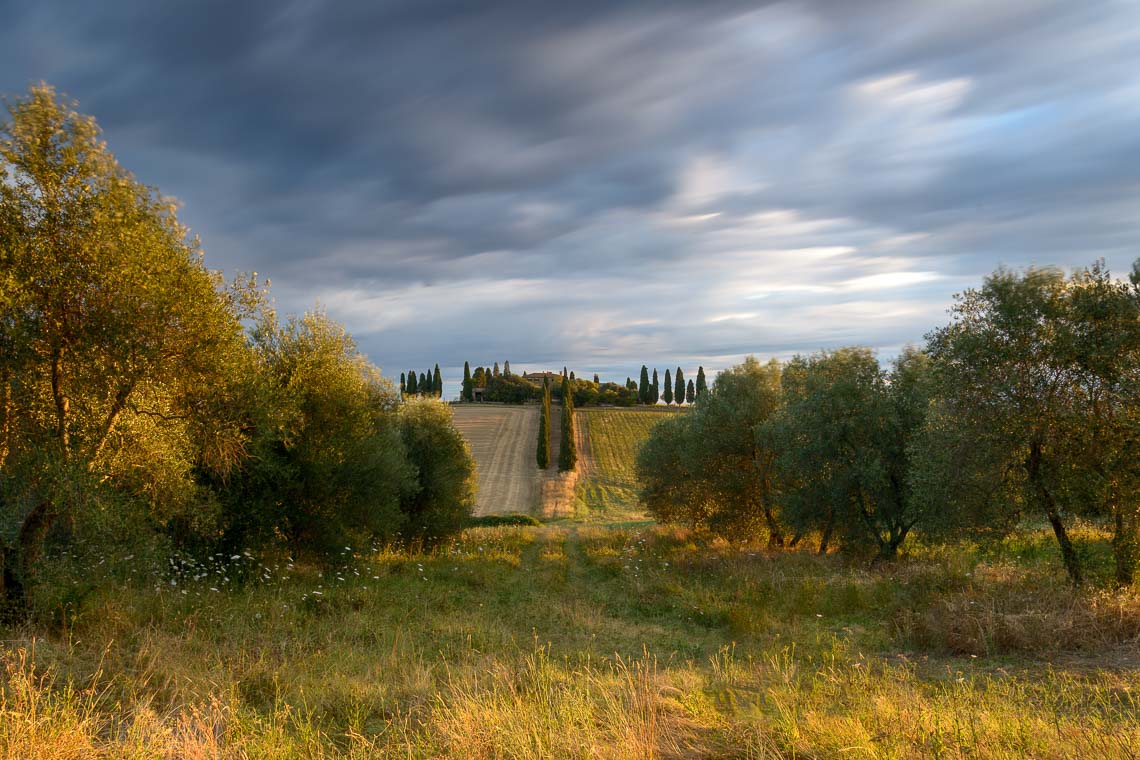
point(412, 383)
point(437, 383)
point(572, 375)
point(667, 395)
point(691, 393)
point(567, 449)
point(478, 380)
point(467, 384)
point(424, 386)
point(679, 391)
point(543, 452)
point(702, 386)
point(596, 380)
point(403, 384)
point(654, 389)
point(495, 372)
point(643, 391)
point(506, 369)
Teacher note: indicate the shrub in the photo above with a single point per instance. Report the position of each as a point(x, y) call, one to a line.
point(328, 463)
point(495, 521)
point(443, 495)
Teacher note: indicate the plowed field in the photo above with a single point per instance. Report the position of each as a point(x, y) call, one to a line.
point(502, 440)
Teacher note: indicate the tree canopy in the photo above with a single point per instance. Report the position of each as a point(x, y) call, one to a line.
point(138, 390)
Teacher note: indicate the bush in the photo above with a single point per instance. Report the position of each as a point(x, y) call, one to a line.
point(495, 521)
point(441, 501)
point(328, 464)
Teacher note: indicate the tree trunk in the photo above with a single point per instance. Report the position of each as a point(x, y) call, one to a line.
point(6, 414)
point(1045, 498)
point(13, 602)
point(1068, 553)
point(1124, 549)
point(109, 424)
point(18, 568)
point(62, 403)
point(825, 539)
point(775, 535)
point(889, 549)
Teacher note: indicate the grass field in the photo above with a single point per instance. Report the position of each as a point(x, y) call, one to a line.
point(608, 443)
point(581, 640)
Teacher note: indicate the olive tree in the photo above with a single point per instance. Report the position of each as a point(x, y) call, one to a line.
point(709, 467)
point(1037, 378)
point(113, 333)
point(842, 442)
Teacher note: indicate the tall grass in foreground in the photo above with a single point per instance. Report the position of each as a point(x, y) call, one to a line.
point(599, 642)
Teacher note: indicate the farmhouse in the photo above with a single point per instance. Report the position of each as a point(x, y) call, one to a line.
point(538, 377)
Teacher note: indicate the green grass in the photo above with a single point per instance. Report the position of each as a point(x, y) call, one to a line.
point(580, 640)
point(609, 490)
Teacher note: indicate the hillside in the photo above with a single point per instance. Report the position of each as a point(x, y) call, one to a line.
point(608, 441)
point(502, 440)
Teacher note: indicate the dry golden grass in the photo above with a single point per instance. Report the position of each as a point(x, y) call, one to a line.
point(586, 641)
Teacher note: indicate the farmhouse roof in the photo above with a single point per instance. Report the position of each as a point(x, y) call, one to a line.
point(540, 376)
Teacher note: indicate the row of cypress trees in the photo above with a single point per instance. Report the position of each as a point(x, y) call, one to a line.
point(567, 448)
point(675, 390)
point(427, 384)
point(543, 453)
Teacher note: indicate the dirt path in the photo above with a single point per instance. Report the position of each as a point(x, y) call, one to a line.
point(556, 494)
point(502, 440)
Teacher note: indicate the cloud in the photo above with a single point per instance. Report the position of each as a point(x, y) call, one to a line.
point(601, 184)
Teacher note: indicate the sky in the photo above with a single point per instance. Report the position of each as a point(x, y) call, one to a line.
point(602, 185)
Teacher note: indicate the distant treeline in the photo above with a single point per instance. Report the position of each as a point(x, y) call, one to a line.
point(1026, 405)
point(148, 405)
point(505, 387)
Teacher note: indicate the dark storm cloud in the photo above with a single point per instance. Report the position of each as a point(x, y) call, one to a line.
point(610, 183)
